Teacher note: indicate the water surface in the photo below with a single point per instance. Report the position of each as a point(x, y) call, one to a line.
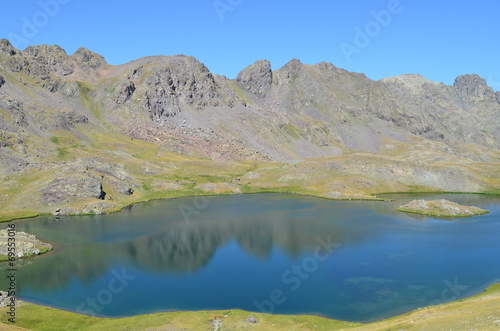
point(356, 261)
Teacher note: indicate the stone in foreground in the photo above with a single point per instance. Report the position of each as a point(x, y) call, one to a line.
point(441, 208)
point(26, 245)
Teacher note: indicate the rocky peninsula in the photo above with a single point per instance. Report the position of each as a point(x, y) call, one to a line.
point(441, 208)
point(26, 245)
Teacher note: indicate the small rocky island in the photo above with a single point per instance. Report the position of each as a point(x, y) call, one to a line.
point(440, 208)
point(26, 245)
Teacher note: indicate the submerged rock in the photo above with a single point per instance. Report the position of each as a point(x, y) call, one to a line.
point(441, 208)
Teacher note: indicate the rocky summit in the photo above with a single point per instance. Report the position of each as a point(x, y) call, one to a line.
point(78, 135)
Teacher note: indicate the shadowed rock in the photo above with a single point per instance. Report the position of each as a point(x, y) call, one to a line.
point(124, 92)
point(7, 48)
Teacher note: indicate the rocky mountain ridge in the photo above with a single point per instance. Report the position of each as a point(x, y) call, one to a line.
point(158, 118)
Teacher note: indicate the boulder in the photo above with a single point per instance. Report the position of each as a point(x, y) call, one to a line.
point(77, 185)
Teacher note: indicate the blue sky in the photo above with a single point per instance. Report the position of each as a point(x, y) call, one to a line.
point(381, 38)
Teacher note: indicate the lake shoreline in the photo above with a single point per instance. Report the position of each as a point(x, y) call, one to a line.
point(372, 197)
point(472, 309)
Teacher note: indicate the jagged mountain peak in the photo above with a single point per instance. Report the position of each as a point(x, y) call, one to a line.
point(473, 86)
point(257, 77)
point(85, 56)
point(7, 48)
point(35, 51)
point(46, 54)
point(294, 65)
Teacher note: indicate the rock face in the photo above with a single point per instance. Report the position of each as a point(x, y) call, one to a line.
point(257, 77)
point(441, 208)
point(88, 59)
point(79, 185)
point(7, 48)
point(189, 84)
point(124, 92)
point(473, 87)
point(26, 244)
point(2, 80)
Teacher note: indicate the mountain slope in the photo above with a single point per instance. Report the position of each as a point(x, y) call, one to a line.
point(78, 135)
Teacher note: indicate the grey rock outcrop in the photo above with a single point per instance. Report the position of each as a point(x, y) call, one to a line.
point(441, 208)
point(473, 87)
point(7, 48)
point(26, 244)
point(257, 77)
point(289, 72)
point(251, 319)
point(2, 80)
point(88, 59)
point(124, 91)
point(46, 54)
point(187, 84)
point(79, 185)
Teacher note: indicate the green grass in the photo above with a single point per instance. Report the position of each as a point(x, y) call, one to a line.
point(147, 187)
point(291, 130)
point(55, 140)
point(19, 215)
point(478, 312)
point(62, 151)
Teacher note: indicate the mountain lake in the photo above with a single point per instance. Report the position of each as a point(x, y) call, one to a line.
point(273, 253)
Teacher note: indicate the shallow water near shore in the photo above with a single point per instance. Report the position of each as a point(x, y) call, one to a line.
point(274, 253)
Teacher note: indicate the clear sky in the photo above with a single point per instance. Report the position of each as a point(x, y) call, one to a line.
point(381, 38)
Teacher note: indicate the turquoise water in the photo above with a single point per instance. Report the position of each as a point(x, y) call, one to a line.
point(357, 261)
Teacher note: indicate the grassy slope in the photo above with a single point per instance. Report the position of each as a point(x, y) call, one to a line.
point(313, 177)
point(480, 312)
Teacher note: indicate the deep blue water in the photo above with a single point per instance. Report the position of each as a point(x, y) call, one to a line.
point(356, 261)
